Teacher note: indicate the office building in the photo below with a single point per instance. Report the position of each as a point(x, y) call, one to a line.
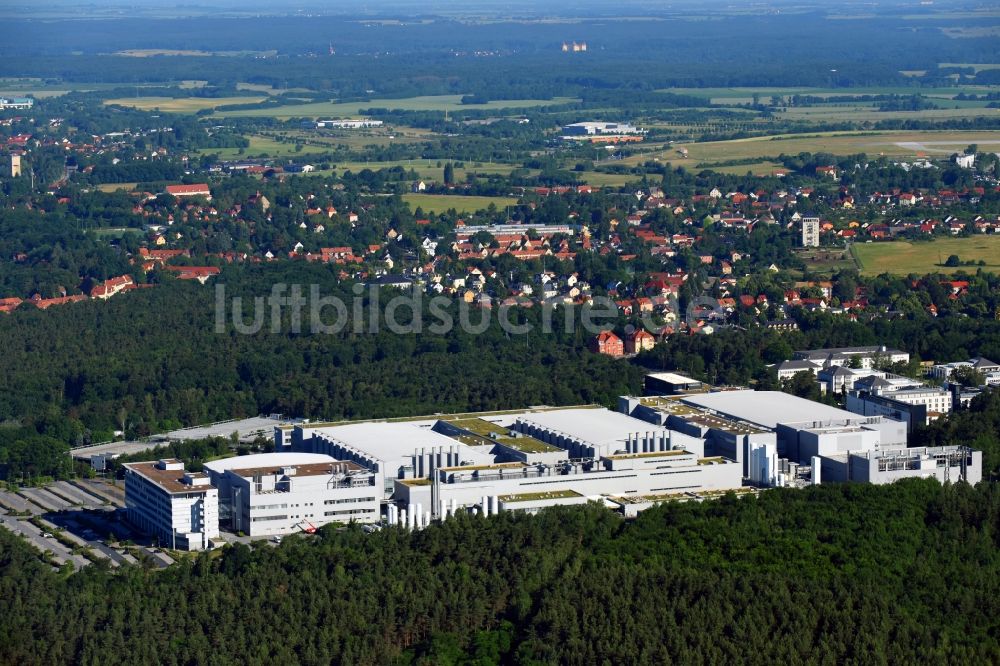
point(283, 493)
point(180, 509)
point(864, 357)
point(16, 103)
point(989, 369)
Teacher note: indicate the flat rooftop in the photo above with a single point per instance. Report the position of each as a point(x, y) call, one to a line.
point(314, 469)
point(649, 454)
point(597, 427)
point(766, 409)
point(672, 378)
point(542, 496)
point(267, 460)
point(170, 480)
point(394, 441)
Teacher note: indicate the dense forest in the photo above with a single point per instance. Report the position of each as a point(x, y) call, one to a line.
point(839, 574)
point(152, 360)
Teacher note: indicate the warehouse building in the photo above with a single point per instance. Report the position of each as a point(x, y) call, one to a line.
point(179, 508)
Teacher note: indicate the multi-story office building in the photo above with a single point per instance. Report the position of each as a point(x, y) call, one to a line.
point(281, 493)
point(180, 509)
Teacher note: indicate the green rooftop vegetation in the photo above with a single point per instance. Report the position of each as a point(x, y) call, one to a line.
point(714, 460)
point(649, 454)
point(474, 468)
point(534, 497)
point(415, 482)
point(477, 426)
point(527, 444)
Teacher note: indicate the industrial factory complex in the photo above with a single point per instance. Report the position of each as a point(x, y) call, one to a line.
point(695, 444)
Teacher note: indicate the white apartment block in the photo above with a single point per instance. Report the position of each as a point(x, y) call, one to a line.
point(180, 509)
point(810, 232)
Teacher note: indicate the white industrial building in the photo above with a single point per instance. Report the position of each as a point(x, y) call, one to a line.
point(410, 471)
point(587, 129)
point(282, 493)
point(359, 123)
point(754, 427)
point(436, 466)
point(944, 463)
point(179, 508)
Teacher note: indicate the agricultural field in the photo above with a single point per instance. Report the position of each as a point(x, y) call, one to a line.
point(439, 203)
point(726, 96)
point(903, 258)
point(426, 103)
point(978, 67)
point(180, 104)
point(831, 113)
point(429, 170)
point(902, 145)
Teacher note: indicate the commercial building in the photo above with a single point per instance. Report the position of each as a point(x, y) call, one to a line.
point(900, 398)
point(865, 357)
point(989, 369)
point(589, 129)
point(669, 383)
point(788, 369)
point(281, 493)
point(179, 508)
point(16, 103)
point(361, 123)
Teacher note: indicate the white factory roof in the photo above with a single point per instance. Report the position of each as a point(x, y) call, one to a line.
point(673, 378)
point(595, 426)
point(393, 441)
point(768, 408)
point(267, 460)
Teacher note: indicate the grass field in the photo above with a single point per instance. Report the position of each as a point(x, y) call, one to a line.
point(440, 203)
point(902, 145)
point(115, 187)
point(826, 260)
point(262, 145)
point(903, 258)
point(180, 104)
point(428, 169)
point(427, 103)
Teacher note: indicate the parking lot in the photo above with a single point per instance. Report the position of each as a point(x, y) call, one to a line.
point(77, 522)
